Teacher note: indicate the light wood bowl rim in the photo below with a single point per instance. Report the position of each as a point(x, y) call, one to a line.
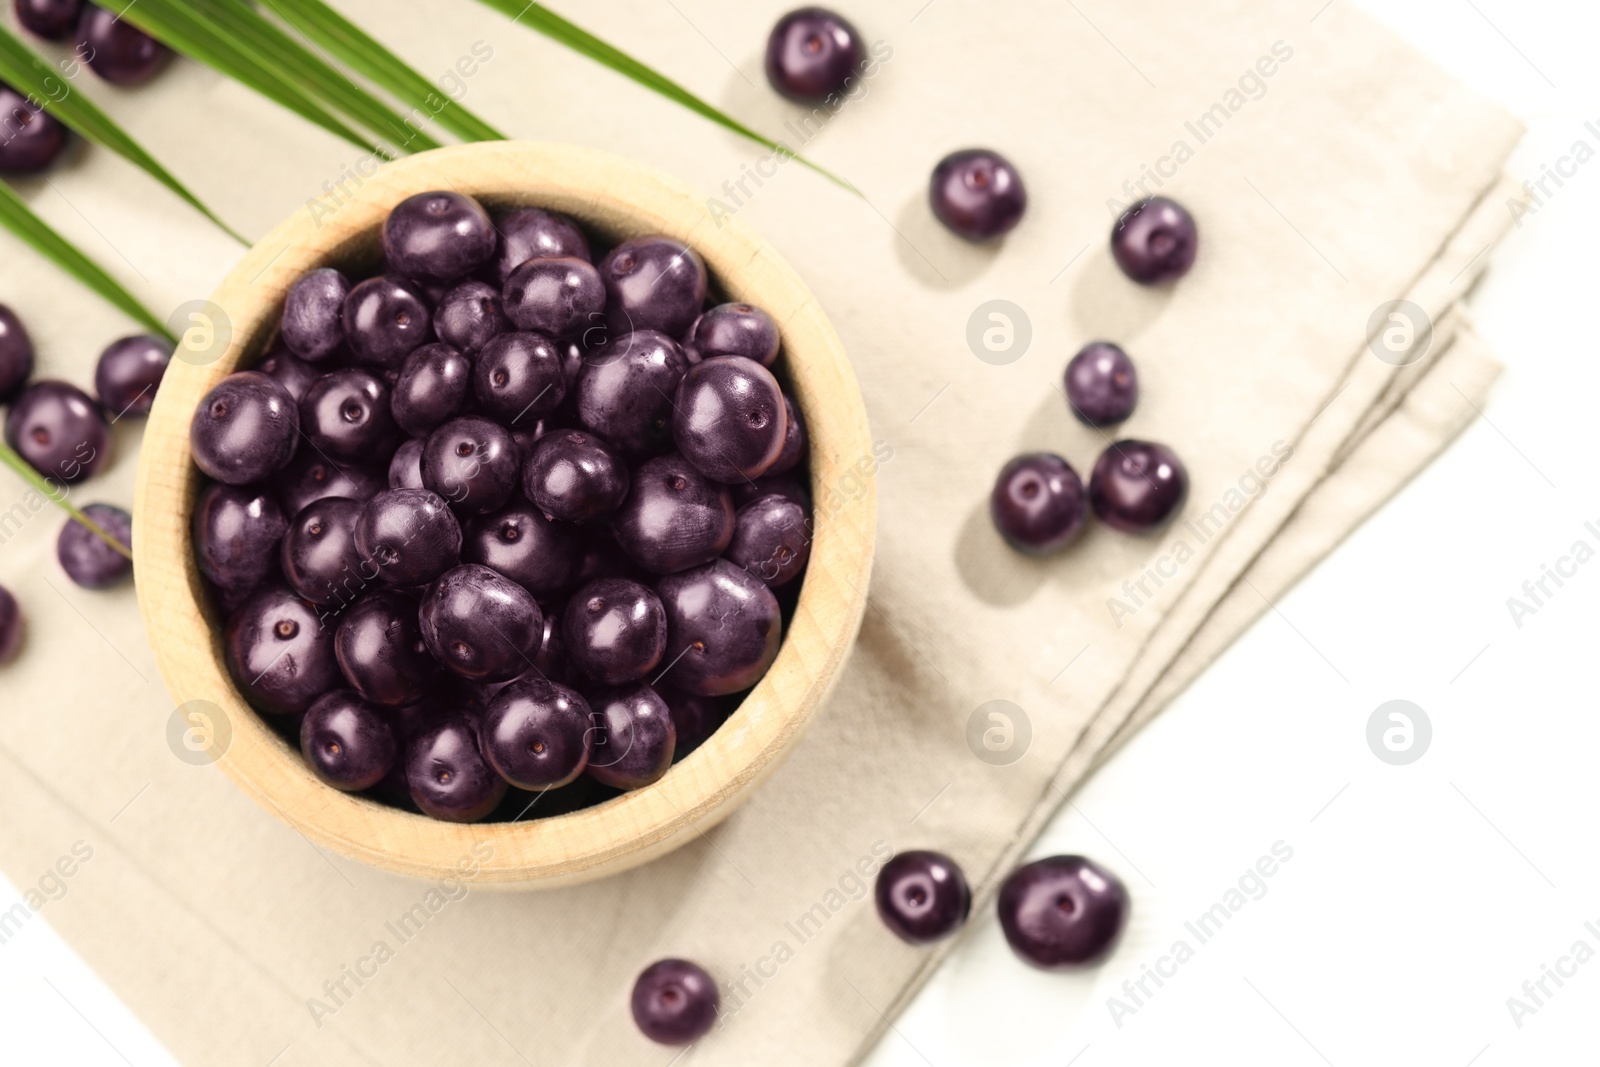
point(617, 196)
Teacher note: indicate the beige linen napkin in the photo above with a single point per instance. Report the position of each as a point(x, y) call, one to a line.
point(1352, 174)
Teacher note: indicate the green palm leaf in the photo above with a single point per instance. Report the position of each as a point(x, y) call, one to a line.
point(16, 216)
point(182, 29)
point(547, 22)
point(31, 76)
point(250, 29)
point(348, 43)
point(57, 495)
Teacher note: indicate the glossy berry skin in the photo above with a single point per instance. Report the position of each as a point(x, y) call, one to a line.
point(1155, 241)
point(625, 393)
point(519, 542)
point(60, 431)
point(411, 535)
point(54, 20)
point(438, 237)
point(537, 734)
point(30, 138)
point(736, 330)
point(574, 476)
point(447, 775)
point(517, 379)
point(129, 372)
point(653, 283)
point(405, 468)
point(320, 560)
point(12, 626)
point(289, 371)
point(279, 653)
point(118, 51)
point(470, 316)
point(311, 477)
point(86, 557)
point(434, 386)
point(555, 296)
point(675, 1002)
point(1102, 386)
point(345, 415)
point(16, 354)
point(977, 194)
point(1062, 911)
point(812, 54)
point(729, 419)
point(480, 624)
point(348, 743)
point(312, 324)
point(473, 463)
point(922, 896)
point(634, 737)
point(795, 442)
point(1137, 486)
point(771, 540)
point(1038, 503)
point(674, 518)
point(615, 631)
point(380, 648)
point(245, 429)
point(529, 232)
point(724, 622)
point(237, 533)
point(385, 319)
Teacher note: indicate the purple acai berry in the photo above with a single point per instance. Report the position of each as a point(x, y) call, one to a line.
point(1038, 503)
point(675, 1002)
point(977, 194)
point(1102, 386)
point(1137, 486)
point(1155, 241)
point(86, 556)
point(1062, 911)
point(812, 54)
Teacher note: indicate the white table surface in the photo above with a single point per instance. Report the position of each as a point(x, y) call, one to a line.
point(1419, 898)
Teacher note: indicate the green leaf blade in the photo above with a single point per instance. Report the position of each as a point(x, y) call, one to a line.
point(248, 30)
point(328, 29)
point(22, 69)
point(57, 495)
point(18, 217)
point(543, 20)
point(177, 27)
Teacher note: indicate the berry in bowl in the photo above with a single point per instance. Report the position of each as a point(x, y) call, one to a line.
point(485, 526)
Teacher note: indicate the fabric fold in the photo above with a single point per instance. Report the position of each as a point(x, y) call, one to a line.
point(1333, 172)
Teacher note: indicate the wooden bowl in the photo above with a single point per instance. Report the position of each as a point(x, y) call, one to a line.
point(616, 198)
